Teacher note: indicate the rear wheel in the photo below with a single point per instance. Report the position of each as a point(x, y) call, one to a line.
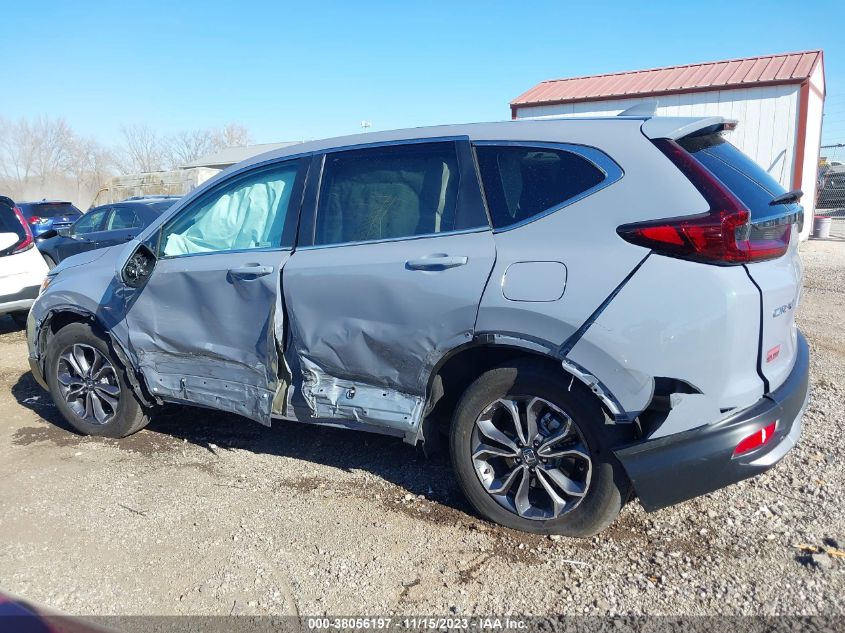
point(533, 456)
point(89, 386)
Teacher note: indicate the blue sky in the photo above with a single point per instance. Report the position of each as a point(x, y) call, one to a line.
point(311, 69)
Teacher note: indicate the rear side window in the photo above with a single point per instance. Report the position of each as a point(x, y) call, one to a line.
point(523, 182)
point(748, 181)
point(391, 192)
point(49, 210)
point(123, 218)
point(9, 222)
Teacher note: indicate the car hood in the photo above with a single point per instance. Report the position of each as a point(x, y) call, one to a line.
point(85, 258)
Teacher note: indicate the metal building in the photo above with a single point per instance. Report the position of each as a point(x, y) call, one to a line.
point(777, 99)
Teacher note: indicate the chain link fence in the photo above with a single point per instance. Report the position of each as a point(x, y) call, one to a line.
point(830, 196)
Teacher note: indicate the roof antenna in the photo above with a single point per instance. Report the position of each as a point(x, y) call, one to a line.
point(643, 108)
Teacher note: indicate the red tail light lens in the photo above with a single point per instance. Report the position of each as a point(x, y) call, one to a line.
point(723, 235)
point(35, 220)
point(755, 440)
point(27, 241)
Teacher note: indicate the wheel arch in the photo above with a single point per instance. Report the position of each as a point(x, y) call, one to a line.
point(60, 317)
point(457, 369)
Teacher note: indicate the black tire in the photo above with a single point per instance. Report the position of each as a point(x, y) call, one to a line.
point(51, 263)
point(20, 318)
point(609, 487)
point(129, 415)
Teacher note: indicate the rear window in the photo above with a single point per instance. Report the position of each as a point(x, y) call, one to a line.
point(9, 222)
point(523, 182)
point(749, 182)
point(48, 209)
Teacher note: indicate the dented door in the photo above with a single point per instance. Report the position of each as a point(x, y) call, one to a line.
point(203, 327)
point(399, 256)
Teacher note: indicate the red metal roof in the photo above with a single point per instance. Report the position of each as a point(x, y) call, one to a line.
point(733, 73)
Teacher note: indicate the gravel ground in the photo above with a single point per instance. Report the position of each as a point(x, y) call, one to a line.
point(210, 514)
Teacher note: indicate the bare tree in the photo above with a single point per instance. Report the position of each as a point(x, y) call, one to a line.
point(186, 147)
point(232, 135)
point(53, 142)
point(142, 150)
point(18, 149)
point(90, 164)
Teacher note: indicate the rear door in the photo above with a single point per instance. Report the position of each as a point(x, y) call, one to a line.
point(122, 225)
point(778, 280)
point(387, 279)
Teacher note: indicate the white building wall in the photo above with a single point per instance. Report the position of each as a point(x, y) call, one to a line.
point(812, 147)
point(767, 116)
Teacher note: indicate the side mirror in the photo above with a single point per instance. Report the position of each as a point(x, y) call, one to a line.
point(7, 240)
point(65, 231)
point(138, 267)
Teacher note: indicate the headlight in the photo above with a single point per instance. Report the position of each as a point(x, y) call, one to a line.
point(46, 283)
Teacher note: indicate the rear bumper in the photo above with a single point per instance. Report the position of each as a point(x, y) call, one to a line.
point(678, 467)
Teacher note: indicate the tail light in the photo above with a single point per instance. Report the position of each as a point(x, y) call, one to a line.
point(27, 242)
point(723, 235)
point(755, 440)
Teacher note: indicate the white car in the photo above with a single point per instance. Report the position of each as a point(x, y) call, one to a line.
point(22, 269)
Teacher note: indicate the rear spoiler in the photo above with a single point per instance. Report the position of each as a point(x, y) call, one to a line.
point(678, 127)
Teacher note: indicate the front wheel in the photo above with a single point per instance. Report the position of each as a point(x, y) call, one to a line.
point(89, 385)
point(534, 456)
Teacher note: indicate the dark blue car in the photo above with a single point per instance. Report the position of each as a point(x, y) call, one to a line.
point(102, 226)
point(48, 215)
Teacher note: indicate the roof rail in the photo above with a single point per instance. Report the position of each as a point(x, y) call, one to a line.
point(643, 108)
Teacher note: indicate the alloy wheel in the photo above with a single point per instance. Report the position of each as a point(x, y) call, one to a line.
point(531, 458)
point(88, 383)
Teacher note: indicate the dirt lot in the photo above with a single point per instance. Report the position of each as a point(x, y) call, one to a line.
point(211, 514)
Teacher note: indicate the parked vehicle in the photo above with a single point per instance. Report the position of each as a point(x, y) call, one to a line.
point(102, 226)
point(48, 215)
point(831, 193)
point(586, 307)
point(21, 267)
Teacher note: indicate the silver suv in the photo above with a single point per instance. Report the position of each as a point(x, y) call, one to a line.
point(588, 308)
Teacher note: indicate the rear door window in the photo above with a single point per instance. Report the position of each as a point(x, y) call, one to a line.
point(748, 181)
point(123, 218)
point(394, 192)
point(521, 183)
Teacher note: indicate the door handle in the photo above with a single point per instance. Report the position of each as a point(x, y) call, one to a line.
point(248, 272)
point(437, 261)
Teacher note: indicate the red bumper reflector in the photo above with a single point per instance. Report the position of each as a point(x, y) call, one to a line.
point(755, 440)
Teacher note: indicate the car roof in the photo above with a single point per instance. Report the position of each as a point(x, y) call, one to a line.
point(46, 202)
point(154, 204)
point(516, 129)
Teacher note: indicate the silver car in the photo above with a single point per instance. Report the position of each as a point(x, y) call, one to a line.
point(586, 308)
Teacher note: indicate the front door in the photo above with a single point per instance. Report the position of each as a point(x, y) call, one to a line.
point(203, 327)
point(83, 233)
point(387, 279)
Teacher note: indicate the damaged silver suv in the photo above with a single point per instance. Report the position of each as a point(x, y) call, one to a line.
point(587, 308)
